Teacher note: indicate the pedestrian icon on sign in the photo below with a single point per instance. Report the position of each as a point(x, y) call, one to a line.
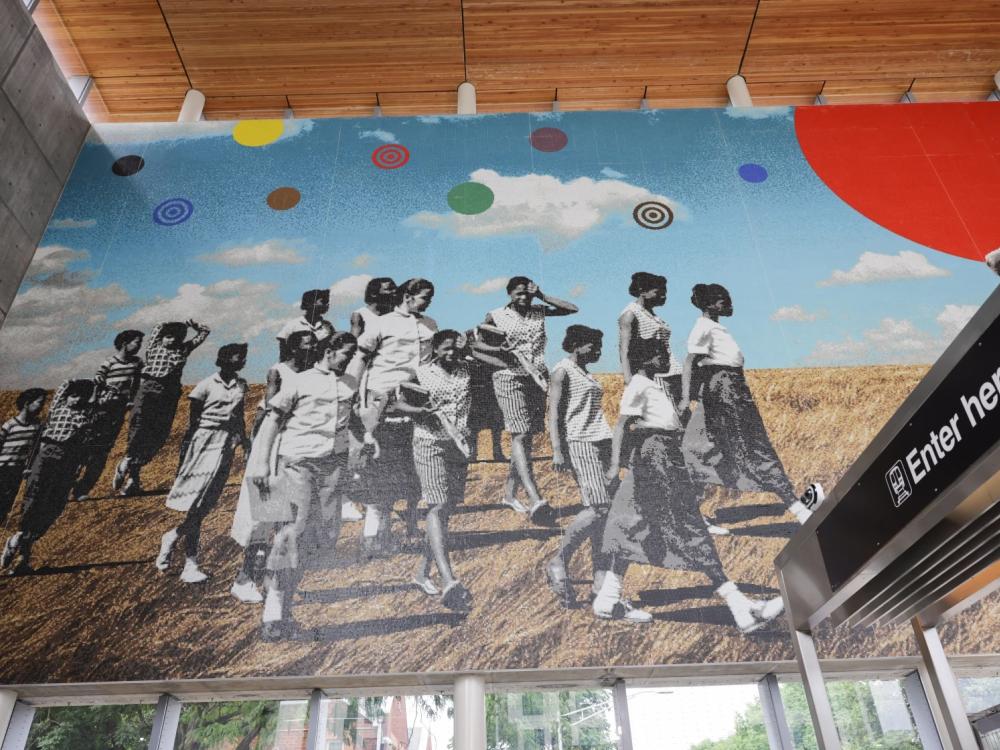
point(899, 483)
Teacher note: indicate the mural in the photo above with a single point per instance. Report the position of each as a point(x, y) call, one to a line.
point(430, 394)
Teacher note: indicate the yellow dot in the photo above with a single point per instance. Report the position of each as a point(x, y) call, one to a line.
point(256, 133)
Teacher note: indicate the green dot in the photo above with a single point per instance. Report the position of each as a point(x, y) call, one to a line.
point(470, 198)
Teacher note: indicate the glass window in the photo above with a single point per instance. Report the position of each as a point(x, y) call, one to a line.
point(261, 725)
point(979, 693)
point(418, 722)
point(91, 728)
point(870, 715)
point(717, 717)
point(564, 720)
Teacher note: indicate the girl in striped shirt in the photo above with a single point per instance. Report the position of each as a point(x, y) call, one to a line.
point(579, 432)
point(18, 436)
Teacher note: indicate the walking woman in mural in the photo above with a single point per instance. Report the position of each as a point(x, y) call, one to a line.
point(485, 413)
point(315, 304)
point(654, 517)
point(441, 455)
point(250, 530)
point(521, 387)
point(581, 443)
point(307, 424)
point(18, 436)
point(380, 296)
point(156, 400)
point(726, 442)
point(217, 426)
point(639, 321)
point(117, 381)
point(392, 347)
point(52, 469)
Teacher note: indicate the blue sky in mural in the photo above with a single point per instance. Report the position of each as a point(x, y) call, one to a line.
point(814, 283)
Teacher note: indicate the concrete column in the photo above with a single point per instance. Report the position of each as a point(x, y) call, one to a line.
point(739, 93)
point(470, 713)
point(466, 99)
point(191, 109)
point(619, 696)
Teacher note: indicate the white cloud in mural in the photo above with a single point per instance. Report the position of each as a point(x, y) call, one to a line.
point(379, 135)
point(875, 267)
point(236, 309)
point(71, 223)
point(614, 174)
point(577, 290)
point(270, 251)
point(795, 313)
point(759, 113)
point(555, 212)
point(490, 286)
point(895, 341)
point(53, 259)
point(362, 261)
point(429, 119)
point(129, 133)
point(349, 290)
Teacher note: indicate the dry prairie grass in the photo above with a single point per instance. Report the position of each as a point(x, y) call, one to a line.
point(98, 610)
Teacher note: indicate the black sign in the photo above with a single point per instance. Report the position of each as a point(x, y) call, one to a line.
point(957, 424)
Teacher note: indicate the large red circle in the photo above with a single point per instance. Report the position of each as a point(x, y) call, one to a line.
point(928, 172)
point(549, 139)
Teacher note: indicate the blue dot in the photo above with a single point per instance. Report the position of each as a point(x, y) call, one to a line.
point(753, 172)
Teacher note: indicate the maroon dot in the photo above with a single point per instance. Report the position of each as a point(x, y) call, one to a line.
point(549, 139)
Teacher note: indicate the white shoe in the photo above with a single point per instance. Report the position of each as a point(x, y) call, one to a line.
point(192, 573)
point(631, 614)
point(740, 606)
point(800, 511)
point(716, 530)
point(247, 592)
point(609, 604)
point(516, 505)
point(767, 609)
point(350, 512)
point(167, 542)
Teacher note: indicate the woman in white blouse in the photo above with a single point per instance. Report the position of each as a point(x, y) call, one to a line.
point(726, 442)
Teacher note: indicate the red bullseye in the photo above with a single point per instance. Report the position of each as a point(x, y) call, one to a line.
point(390, 156)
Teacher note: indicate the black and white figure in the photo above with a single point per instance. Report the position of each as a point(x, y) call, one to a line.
point(726, 442)
point(156, 399)
point(315, 304)
point(52, 469)
point(117, 381)
point(441, 455)
point(485, 413)
point(581, 444)
point(392, 347)
point(521, 387)
point(308, 419)
point(250, 532)
point(217, 426)
point(654, 517)
point(639, 321)
point(380, 298)
point(18, 438)
point(993, 261)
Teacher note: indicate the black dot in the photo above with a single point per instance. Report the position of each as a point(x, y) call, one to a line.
point(128, 165)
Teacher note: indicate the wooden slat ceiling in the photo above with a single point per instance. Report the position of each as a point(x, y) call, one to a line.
point(319, 58)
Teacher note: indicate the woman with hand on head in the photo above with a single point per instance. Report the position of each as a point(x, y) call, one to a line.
point(726, 442)
point(581, 444)
point(520, 387)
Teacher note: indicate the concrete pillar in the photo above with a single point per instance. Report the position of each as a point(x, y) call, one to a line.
point(739, 93)
point(191, 109)
point(466, 99)
point(470, 713)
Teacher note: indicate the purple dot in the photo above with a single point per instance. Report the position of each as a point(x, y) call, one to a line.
point(753, 172)
point(548, 139)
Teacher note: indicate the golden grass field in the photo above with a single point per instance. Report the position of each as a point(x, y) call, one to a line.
point(97, 609)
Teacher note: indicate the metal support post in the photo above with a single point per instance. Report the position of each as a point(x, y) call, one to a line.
point(8, 699)
point(16, 736)
point(778, 736)
point(920, 708)
point(168, 715)
point(954, 722)
point(312, 736)
point(470, 713)
point(812, 681)
point(619, 696)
